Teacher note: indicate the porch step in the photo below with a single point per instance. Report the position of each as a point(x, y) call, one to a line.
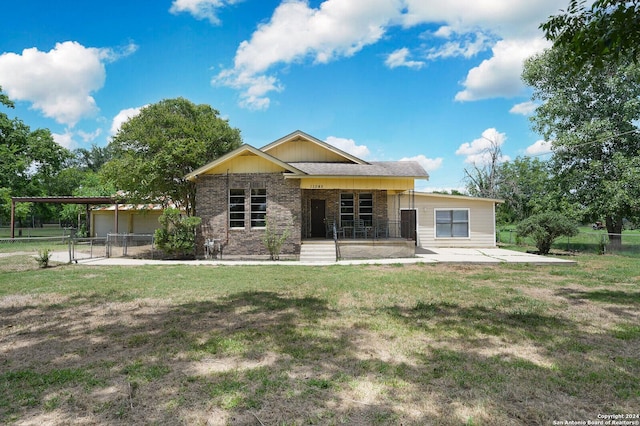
point(318, 251)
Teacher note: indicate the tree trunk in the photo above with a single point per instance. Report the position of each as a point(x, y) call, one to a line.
point(614, 229)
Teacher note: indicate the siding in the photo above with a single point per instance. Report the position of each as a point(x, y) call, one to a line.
point(301, 150)
point(103, 222)
point(481, 221)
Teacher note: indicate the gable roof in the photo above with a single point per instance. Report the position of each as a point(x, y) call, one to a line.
point(298, 134)
point(242, 150)
point(350, 167)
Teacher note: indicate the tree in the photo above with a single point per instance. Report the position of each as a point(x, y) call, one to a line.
point(30, 161)
point(527, 187)
point(482, 178)
point(591, 118)
point(177, 234)
point(544, 228)
point(606, 32)
point(153, 151)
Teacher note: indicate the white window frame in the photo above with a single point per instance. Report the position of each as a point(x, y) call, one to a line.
point(367, 216)
point(345, 214)
point(435, 223)
point(244, 208)
point(260, 208)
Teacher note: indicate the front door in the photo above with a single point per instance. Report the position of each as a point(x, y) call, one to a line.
point(408, 224)
point(317, 218)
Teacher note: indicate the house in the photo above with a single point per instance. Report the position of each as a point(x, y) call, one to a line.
point(304, 185)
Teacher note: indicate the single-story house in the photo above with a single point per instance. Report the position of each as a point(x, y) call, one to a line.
point(304, 185)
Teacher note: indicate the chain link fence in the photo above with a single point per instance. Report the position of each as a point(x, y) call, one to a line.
point(599, 242)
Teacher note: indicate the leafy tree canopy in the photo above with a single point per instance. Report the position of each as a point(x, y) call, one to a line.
point(591, 118)
point(30, 160)
point(153, 151)
point(608, 31)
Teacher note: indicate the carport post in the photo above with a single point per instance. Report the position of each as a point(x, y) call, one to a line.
point(116, 215)
point(13, 218)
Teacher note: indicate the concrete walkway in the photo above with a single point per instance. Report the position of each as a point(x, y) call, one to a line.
point(439, 255)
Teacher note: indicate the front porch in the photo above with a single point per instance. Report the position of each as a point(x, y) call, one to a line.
point(324, 249)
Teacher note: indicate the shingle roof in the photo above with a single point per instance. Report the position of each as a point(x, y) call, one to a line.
point(375, 168)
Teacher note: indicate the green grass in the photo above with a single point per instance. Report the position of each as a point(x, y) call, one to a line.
point(415, 344)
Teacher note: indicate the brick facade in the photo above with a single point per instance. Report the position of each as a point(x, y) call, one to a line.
point(283, 211)
point(287, 207)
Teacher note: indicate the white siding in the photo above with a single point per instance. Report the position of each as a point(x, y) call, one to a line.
point(481, 221)
point(132, 222)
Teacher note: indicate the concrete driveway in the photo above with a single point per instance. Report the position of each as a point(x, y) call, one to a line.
point(436, 255)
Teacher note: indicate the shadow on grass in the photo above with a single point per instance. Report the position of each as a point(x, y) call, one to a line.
point(617, 297)
point(444, 317)
point(272, 358)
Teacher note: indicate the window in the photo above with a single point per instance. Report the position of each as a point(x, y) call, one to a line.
point(452, 223)
point(365, 208)
point(346, 208)
point(258, 208)
point(236, 208)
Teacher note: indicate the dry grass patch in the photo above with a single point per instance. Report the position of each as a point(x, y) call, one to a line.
point(412, 345)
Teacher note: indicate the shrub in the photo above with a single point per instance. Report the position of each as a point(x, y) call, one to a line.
point(177, 234)
point(273, 240)
point(544, 228)
point(43, 258)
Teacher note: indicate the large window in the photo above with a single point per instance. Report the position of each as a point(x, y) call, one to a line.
point(365, 208)
point(258, 208)
point(346, 208)
point(236, 208)
point(452, 223)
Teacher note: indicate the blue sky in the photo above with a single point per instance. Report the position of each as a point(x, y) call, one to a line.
point(385, 80)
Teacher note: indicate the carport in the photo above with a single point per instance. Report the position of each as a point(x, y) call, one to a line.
point(88, 201)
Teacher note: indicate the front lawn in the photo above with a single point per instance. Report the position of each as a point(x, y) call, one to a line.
point(284, 345)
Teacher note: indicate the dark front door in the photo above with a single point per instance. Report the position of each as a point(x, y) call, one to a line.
point(317, 218)
point(408, 224)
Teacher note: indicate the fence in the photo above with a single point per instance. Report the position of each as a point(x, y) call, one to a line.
point(585, 242)
point(141, 245)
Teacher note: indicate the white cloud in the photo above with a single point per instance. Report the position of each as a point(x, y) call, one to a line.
point(499, 76)
point(465, 45)
point(59, 83)
point(123, 116)
point(201, 9)
point(540, 147)
point(297, 32)
point(399, 58)
point(429, 164)
point(89, 137)
point(479, 150)
point(508, 19)
point(65, 139)
point(349, 146)
point(524, 108)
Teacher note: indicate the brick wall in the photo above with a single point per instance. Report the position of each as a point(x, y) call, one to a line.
point(283, 211)
point(332, 205)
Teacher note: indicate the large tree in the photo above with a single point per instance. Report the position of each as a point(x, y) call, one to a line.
point(606, 32)
point(30, 160)
point(526, 186)
point(153, 151)
point(591, 118)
